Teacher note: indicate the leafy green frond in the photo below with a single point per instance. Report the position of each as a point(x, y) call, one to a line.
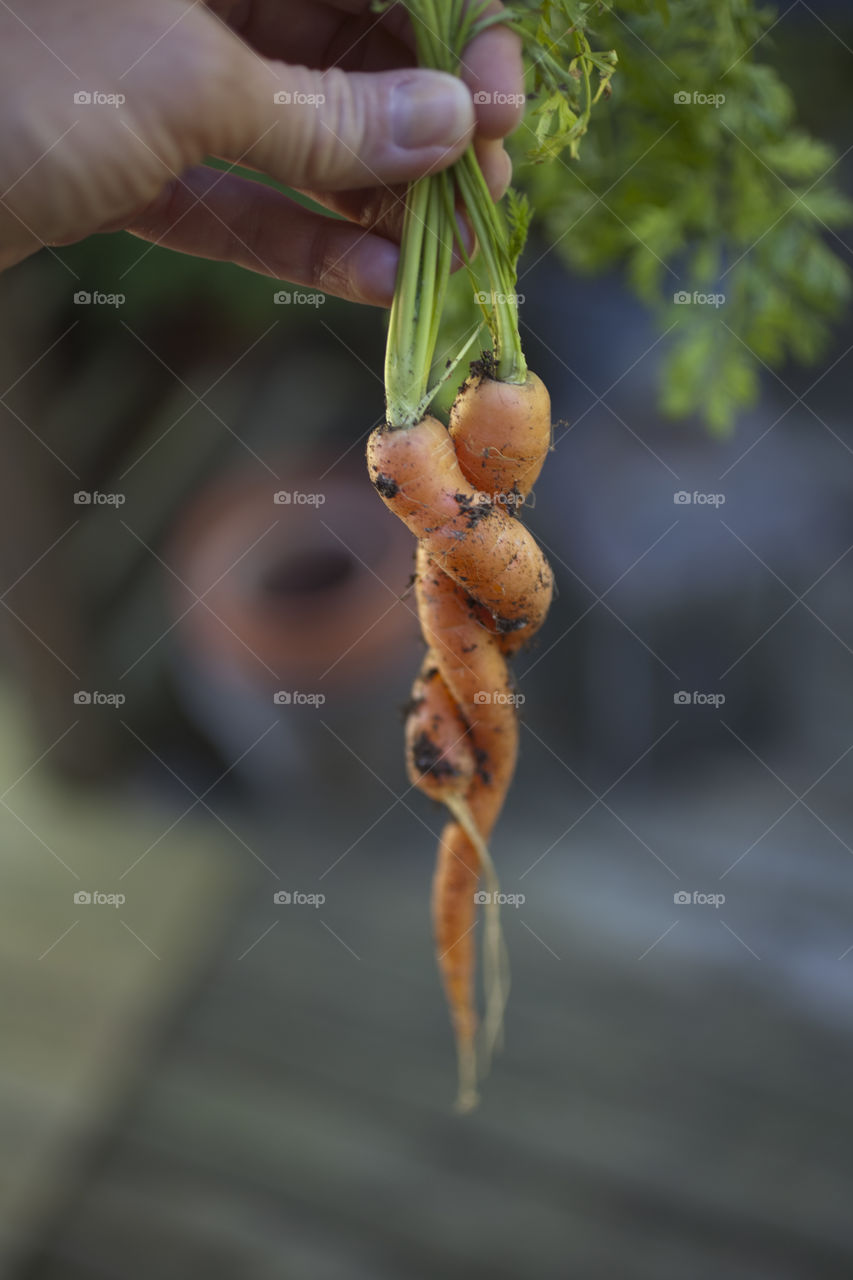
point(518, 218)
point(698, 180)
point(566, 76)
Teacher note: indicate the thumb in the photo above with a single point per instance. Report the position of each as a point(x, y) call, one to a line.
point(337, 130)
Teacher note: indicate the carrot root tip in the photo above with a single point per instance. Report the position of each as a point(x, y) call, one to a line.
point(496, 979)
point(467, 1098)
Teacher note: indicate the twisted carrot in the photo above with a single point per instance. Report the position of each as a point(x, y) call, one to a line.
point(483, 588)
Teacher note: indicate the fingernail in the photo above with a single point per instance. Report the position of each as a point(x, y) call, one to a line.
point(429, 110)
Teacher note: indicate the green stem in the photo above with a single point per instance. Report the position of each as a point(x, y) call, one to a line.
point(510, 365)
point(442, 29)
point(582, 46)
point(401, 373)
point(426, 251)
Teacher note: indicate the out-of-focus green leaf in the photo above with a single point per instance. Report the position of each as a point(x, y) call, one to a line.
point(697, 178)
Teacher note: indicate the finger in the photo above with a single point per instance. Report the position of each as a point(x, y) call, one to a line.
point(352, 37)
point(322, 36)
point(377, 209)
point(495, 164)
point(208, 214)
point(383, 212)
point(336, 130)
point(493, 70)
point(382, 209)
point(348, 37)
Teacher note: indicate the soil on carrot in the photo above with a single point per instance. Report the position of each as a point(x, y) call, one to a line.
point(386, 486)
point(504, 626)
point(474, 509)
point(428, 759)
point(482, 759)
point(485, 367)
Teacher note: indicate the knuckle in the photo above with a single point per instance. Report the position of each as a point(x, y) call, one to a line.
point(382, 211)
point(161, 210)
point(331, 134)
point(329, 266)
point(204, 90)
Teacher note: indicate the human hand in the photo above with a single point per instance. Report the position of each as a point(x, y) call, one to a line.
point(110, 106)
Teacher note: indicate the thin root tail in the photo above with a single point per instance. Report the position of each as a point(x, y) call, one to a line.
point(495, 958)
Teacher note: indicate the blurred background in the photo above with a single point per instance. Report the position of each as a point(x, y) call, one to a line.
point(207, 638)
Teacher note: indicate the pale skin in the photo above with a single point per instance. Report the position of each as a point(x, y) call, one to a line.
point(200, 79)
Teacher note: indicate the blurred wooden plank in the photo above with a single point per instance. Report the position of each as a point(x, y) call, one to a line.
point(85, 989)
point(683, 1114)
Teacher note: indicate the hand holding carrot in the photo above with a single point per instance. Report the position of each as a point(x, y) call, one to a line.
point(482, 584)
point(111, 106)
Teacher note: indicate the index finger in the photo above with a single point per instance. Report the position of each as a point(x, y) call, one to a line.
point(300, 30)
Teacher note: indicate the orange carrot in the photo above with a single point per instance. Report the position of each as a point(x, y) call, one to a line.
point(482, 588)
point(475, 674)
point(487, 552)
point(440, 757)
point(502, 433)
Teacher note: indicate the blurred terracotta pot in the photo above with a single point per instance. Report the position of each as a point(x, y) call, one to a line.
point(304, 582)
